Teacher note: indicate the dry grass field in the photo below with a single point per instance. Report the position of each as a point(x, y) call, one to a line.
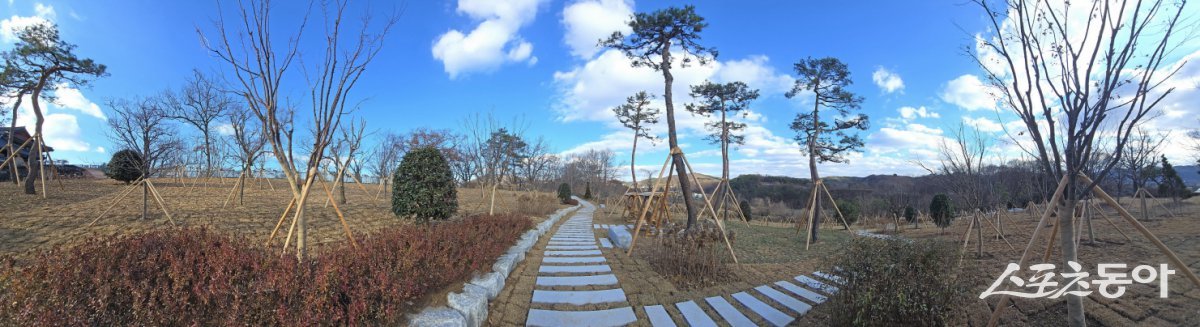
point(30, 223)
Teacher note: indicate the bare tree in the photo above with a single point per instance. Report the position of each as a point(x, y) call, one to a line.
point(963, 162)
point(345, 152)
point(259, 65)
point(1082, 69)
point(385, 157)
point(1139, 163)
point(248, 138)
point(200, 103)
point(141, 124)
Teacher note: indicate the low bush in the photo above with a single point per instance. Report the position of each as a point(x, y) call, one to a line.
point(198, 277)
point(746, 211)
point(571, 202)
point(564, 192)
point(941, 211)
point(125, 166)
point(689, 258)
point(538, 205)
point(849, 210)
point(898, 283)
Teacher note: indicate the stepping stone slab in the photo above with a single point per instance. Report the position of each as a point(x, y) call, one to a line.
point(572, 247)
point(727, 311)
point(835, 279)
point(556, 243)
point(658, 316)
point(438, 317)
point(810, 295)
point(579, 297)
point(572, 253)
point(773, 316)
point(597, 318)
point(605, 243)
point(694, 315)
point(593, 280)
point(787, 301)
point(817, 285)
point(575, 269)
point(572, 259)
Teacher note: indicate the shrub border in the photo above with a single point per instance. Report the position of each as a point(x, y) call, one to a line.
point(470, 307)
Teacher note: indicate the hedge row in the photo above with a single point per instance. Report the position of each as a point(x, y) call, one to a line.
point(199, 277)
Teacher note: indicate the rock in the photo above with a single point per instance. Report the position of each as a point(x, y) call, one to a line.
point(504, 264)
point(438, 317)
point(620, 236)
point(518, 254)
point(472, 303)
point(491, 282)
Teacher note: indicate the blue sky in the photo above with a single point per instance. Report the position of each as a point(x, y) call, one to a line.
point(536, 59)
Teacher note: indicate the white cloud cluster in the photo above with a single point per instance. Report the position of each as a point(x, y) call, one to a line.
point(910, 113)
point(983, 124)
point(887, 80)
point(493, 42)
point(43, 14)
point(970, 93)
point(70, 98)
point(588, 21)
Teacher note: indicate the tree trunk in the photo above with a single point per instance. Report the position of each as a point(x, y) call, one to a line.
point(34, 161)
point(14, 174)
point(724, 165)
point(145, 174)
point(1066, 236)
point(676, 157)
point(812, 170)
point(1145, 209)
point(978, 235)
point(632, 159)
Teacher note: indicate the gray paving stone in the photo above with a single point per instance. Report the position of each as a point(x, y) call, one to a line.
point(561, 260)
point(658, 316)
point(773, 316)
point(835, 279)
point(787, 301)
point(593, 280)
point(574, 269)
point(579, 297)
point(816, 285)
point(605, 243)
point(728, 312)
point(598, 318)
point(572, 247)
point(438, 317)
point(472, 303)
point(567, 253)
point(807, 294)
point(554, 243)
point(694, 315)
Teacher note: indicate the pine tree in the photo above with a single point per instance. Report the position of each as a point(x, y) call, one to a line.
point(941, 211)
point(1172, 184)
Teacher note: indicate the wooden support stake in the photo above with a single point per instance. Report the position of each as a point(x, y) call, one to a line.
point(642, 218)
point(1096, 208)
point(161, 203)
point(1003, 303)
point(118, 200)
point(724, 234)
point(1187, 271)
point(345, 226)
point(280, 223)
point(835, 206)
point(811, 215)
point(1010, 246)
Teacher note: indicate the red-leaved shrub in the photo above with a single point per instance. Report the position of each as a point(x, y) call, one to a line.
point(198, 277)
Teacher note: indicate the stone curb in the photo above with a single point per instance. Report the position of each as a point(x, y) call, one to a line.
point(470, 307)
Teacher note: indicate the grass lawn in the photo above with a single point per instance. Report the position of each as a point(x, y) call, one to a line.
point(779, 243)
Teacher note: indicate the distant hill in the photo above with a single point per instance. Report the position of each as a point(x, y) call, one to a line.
point(1190, 175)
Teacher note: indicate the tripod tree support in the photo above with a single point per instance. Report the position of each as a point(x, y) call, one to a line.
point(708, 204)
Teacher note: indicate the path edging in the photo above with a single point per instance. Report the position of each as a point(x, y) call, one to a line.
point(470, 307)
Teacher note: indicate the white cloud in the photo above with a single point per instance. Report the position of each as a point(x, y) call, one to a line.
point(10, 26)
point(44, 11)
point(225, 129)
point(588, 21)
point(983, 124)
point(71, 98)
point(101, 149)
point(62, 131)
point(910, 113)
point(493, 42)
point(968, 92)
point(887, 81)
point(757, 73)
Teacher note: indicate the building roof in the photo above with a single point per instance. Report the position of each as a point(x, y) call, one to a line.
point(20, 134)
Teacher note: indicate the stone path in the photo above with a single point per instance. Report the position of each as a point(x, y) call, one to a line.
point(575, 286)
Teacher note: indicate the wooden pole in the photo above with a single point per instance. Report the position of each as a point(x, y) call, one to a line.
point(345, 226)
point(233, 190)
point(997, 229)
point(1003, 303)
point(1096, 208)
point(1187, 271)
point(642, 218)
point(117, 200)
point(161, 203)
point(834, 203)
point(809, 224)
point(280, 223)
